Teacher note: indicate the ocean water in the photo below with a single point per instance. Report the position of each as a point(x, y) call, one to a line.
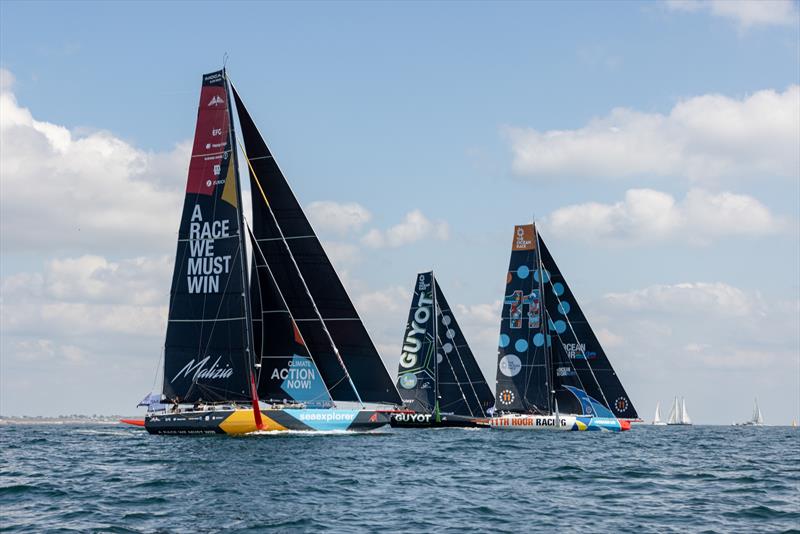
point(115, 478)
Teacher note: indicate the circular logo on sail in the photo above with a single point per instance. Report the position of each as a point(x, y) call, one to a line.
point(408, 380)
point(510, 365)
point(621, 404)
point(506, 396)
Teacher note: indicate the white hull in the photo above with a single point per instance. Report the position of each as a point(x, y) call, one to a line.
point(533, 422)
point(563, 422)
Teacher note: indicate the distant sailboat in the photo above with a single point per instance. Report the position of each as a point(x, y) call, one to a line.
point(678, 414)
point(657, 417)
point(756, 420)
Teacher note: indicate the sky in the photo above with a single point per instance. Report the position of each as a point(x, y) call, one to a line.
point(655, 144)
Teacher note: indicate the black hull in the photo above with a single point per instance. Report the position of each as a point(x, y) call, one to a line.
point(426, 420)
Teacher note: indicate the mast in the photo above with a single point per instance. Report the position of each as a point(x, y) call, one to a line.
point(544, 324)
point(437, 416)
point(248, 312)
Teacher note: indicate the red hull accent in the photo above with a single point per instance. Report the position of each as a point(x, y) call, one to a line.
point(134, 422)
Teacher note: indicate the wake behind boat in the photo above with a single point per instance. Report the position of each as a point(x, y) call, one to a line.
point(438, 379)
point(258, 350)
point(548, 356)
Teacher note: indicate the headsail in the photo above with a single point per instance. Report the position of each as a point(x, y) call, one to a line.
point(298, 261)
point(207, 350)
point(578, 343)
point(462, 387)
point(287, 370)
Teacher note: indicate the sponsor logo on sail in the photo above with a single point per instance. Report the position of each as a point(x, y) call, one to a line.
point(408, 380)
point(510, 365)
point(216, 100)
point(506, 396)
point(203, 372)
point(416, 329)
point(621, 404)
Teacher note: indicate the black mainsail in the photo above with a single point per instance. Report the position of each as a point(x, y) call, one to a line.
point(207, 349)
point(322, 311)
point(436, 361)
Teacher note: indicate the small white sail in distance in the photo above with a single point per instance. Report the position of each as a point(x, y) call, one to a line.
point(657, 417)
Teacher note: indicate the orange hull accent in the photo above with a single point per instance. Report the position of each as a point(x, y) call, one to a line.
point(134, 422)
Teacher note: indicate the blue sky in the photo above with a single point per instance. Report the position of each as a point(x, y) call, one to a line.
point(656, 144)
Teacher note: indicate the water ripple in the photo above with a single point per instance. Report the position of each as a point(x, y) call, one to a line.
point(76, 478)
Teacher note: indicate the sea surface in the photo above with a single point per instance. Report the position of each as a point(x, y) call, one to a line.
point(115, 478)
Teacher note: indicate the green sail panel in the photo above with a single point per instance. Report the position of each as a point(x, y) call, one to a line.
point(207, 349)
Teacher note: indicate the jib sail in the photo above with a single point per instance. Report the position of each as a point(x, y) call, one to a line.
point(577, 344)
point(462, 387)
point(523, 361)
point(207, 350)
point(300, 267)
point(287, 373)
point(416, 380)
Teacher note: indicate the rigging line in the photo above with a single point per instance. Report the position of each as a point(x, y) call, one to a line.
point(302, 278)
point(452, 370)
point(545, 325)
point(455, 376)
point(283, 300)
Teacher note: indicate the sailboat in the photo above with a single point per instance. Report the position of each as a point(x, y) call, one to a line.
point(756, 420)
point(552, 372)
point(657, 417)
point(678, 414)
point(280, 347)
point(438, 379)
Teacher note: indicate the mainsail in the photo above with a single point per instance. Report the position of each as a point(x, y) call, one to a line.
point(322, 311)
point(207, 349)
point(436, 361)
point(523, 365)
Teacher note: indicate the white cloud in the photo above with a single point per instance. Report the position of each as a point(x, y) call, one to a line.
point(415, 226)
point(62, 191)
point(338, 218)
point(645, 215)
point(746, 13)
point(7, 80)
point(702, 138)
point(715, 298)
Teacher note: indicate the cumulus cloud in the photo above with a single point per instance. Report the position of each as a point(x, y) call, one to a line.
point(647, 215)
point(63, 191)
point(715, 298)
point(338, 218)
point(415, 227)
point(746, 13)
point(702, 138)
